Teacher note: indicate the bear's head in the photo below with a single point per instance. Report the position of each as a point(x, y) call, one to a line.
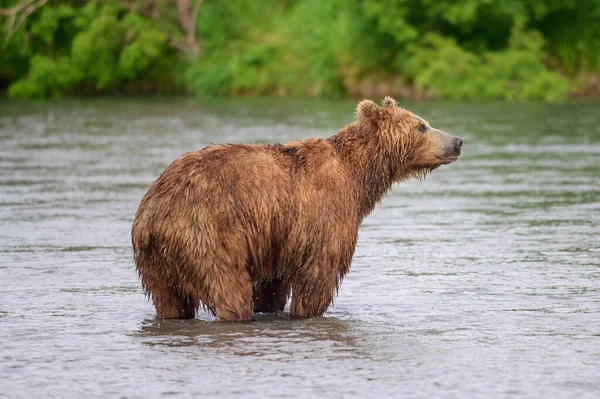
point(414, 148)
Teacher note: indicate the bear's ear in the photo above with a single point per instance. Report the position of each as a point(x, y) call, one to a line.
point(389, 102)
point(368, 112)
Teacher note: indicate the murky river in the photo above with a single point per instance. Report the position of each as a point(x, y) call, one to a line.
point(483, 281)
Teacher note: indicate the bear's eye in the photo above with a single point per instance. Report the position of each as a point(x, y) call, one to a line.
point(422, 127)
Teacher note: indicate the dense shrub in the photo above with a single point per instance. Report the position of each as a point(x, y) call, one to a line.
point(465, 49)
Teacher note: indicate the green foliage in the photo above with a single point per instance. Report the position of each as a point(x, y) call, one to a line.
point(289, 50)
point(516, 50)
point(94, 49)
point(516, 73)
point(393, 17)
point(143, 45)
point(48, 77)
point(96, 46)
point(238, 53)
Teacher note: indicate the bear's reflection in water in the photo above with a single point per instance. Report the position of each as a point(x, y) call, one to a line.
point(268, 335)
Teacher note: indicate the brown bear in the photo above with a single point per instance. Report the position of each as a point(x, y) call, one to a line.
point(237, 228)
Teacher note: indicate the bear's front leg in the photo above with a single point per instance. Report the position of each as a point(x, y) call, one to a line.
point(312, 295)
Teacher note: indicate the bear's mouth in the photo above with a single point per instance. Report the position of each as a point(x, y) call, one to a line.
point(447, 160)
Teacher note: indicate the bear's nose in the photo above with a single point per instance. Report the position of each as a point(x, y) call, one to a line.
point(458, 142)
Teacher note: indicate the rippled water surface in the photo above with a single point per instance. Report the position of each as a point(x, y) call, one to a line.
point(481, 281)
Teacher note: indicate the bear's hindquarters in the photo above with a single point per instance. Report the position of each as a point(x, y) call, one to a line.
point(222, 288)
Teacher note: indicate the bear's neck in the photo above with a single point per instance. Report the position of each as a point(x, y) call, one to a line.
point(371, 170)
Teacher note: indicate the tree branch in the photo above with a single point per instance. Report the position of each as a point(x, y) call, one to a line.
point(18, 14)
point(16, 8)
point(196, 10)
point(187, 22)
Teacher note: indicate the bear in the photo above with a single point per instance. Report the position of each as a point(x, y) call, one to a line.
point(238, 229)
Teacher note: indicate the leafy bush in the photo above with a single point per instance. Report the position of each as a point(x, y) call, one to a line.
point(102, 46)
point(516, 73)
point(514, 50)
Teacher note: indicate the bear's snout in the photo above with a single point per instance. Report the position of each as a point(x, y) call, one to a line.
point(457, 145)
point(453, 149)
point(449, 147)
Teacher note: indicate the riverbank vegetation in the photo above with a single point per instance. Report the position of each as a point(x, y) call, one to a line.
point(461, 50)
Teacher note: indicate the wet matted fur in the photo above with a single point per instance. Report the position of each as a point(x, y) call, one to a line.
point(237, 229)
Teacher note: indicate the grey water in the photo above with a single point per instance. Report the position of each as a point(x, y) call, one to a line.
point(482, 281)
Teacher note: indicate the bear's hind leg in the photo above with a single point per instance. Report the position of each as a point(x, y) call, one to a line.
point(230, 297)
point(170, 303)
point(271, 296)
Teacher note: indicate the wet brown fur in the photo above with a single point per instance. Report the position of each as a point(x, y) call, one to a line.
point(238, 228)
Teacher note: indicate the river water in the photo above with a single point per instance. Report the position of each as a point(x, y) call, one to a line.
point(483, 281)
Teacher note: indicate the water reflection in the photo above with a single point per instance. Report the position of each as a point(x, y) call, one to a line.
point(266, 335)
